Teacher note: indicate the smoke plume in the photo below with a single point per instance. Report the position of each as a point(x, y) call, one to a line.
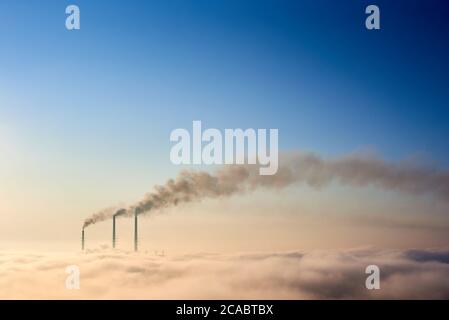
point(119, 213)
point(101, 215)
point(356, 170)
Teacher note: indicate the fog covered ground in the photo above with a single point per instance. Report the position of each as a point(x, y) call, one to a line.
point(337, 274)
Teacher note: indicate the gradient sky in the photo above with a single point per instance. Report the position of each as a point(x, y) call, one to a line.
point(85, 116)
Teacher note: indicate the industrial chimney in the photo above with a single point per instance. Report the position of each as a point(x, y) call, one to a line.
point(82, 240)
point(113, 232)
point(114, 235)
point(135, 230)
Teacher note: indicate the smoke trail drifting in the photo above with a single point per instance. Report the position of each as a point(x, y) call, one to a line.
point(120, 212)
point(100, 216)
point(363, 170)
point(307, 168)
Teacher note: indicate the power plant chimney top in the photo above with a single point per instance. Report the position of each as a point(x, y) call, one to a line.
point(120, 212)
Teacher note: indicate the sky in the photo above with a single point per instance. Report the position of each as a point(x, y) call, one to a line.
point(85, 116)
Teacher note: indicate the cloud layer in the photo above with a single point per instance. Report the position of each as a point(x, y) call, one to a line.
point(108, 274)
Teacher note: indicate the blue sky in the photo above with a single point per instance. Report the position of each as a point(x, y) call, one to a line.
point(138, 69)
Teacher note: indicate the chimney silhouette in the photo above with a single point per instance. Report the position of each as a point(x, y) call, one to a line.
point(135, 230)
point(82, 239)
point(113, 232)
point(114, 228)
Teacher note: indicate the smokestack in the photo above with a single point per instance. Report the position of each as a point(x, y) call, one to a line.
point(135, 230)
point(113, 232)
point(82, 240)
point(114, 235)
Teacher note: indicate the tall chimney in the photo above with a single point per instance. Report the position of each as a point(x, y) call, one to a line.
point(82, 240)
point(113, 232)
point(135, 230)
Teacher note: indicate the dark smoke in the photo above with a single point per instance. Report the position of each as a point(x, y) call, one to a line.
point(120, 212)
point(100, 216)
point(307, 168)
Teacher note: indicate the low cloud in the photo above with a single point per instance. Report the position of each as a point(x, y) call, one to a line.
point(107, 274)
